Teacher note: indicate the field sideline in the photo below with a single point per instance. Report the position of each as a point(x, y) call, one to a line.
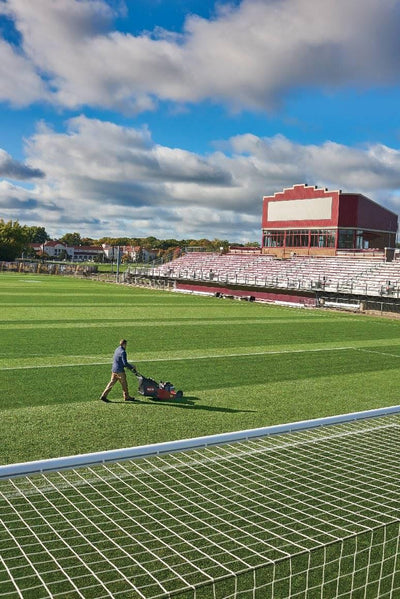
point(240, 365)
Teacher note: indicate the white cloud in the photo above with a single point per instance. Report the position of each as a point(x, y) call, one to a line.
point(19, 202)
point(248, 56)
point(105, 179)
point(19, 82)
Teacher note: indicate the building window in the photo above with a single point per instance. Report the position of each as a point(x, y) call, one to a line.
point(362, 240)
point(346, 239)
point(322, 238)
point(273, 239)
point(297, 238)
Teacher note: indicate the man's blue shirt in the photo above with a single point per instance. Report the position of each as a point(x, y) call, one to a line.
point(120, 360)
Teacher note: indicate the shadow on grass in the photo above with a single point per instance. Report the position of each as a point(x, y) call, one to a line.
point(188, 403)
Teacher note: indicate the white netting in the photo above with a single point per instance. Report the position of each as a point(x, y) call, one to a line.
point(306, 515)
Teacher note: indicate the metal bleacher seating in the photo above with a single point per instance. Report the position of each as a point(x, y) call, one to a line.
point(335, 274)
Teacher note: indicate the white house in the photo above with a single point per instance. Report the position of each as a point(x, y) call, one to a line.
point(133, 252)
point(111, 251)
point(58, 249)
point(82, 253)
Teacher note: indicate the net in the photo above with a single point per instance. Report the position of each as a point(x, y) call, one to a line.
point(305, 515)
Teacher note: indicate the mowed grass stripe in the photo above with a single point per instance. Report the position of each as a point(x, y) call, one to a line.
point(166, 321)
point(211, 337)
point(176, 359)
point(149, 323)
point(37, 360)
point(86, 382)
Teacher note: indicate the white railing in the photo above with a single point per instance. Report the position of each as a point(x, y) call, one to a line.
point(130, 453)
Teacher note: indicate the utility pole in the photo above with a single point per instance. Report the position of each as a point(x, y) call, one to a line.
point(118, 262)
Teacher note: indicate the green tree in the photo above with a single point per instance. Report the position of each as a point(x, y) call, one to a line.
point(37, 234)
point(43, 256)
point(29, 252)
point(13, 240)
point(63, 255)
point(217, 244)
point(71, 239)
point(125, 259)
point(150, 243)
point(88, 241)
point(114, 241)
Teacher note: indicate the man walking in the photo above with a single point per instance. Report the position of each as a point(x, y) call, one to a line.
point(120, 362)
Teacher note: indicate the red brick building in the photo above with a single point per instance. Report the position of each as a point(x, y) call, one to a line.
point(313, 221)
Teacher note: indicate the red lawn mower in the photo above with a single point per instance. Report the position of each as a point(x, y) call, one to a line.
point(158, 391)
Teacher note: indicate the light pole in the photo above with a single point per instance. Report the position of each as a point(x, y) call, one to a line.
point(118, 262)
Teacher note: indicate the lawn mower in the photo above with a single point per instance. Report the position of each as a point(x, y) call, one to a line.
point(158, 391)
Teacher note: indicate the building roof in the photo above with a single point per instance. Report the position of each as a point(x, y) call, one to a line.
point(54, 243)
point(87, 248)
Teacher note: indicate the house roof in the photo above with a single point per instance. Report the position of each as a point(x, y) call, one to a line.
point(54, 243)
point(88, 248)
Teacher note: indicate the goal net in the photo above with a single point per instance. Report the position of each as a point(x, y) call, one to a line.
point(312, 513)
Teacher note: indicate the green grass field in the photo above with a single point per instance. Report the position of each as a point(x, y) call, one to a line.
point(241, 365)
point(308, 514)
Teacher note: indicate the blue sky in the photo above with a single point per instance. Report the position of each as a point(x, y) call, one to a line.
point(174, 117)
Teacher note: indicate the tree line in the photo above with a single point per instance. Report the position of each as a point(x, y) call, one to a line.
point(15, 240)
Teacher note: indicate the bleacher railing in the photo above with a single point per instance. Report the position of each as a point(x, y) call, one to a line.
point(369, 288)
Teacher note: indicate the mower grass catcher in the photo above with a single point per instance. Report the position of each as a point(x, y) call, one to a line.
point(158, 391)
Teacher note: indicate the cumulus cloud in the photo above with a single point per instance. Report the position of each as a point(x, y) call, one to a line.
point(249, 55)
point(20, 84)
point(18, 202)
point(12, 169)
point(112, 180)
point(109, 161)
point(366, 169)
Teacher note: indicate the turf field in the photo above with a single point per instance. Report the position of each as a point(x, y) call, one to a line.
point(240, 365)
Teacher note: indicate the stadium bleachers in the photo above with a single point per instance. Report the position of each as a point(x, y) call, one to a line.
point(334, 274)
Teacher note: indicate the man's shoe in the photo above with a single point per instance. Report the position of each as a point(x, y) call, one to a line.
point(130, 399)
point(104, 398)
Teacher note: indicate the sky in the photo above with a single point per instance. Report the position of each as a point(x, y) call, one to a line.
point(173, 118)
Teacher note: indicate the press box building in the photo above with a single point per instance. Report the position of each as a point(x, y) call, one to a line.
point(305, 220)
